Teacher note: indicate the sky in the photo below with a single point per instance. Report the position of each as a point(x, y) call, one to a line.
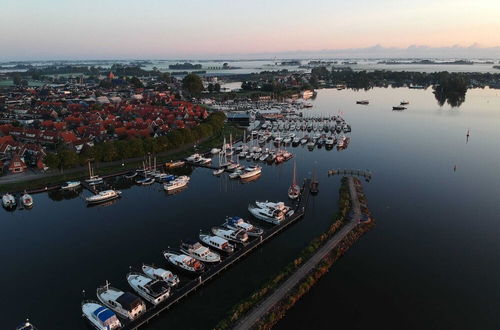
point(162, 29)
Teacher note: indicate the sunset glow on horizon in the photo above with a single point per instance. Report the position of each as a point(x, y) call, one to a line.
point(48, 29)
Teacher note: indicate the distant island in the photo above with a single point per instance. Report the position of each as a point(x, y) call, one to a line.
point(184, 66)
point(459, 62)
point(496, 67)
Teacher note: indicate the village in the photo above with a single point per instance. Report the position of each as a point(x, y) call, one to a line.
point(73, 116)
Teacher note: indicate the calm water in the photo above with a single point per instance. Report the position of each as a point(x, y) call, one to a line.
point(431, 261)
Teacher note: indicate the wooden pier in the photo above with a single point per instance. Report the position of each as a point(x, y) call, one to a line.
point(351, 172)
point(215, 270)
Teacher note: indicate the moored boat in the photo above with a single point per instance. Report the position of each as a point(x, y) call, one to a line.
point(26, 200)
point(271, 212)
point(103, 196)
point(200, 252)
point(131, 174)
point(177, 183)
point(145, 181)
point(237, 223)
point(218, 171)
point(185, 262)
point(237, 236)
point(70, 185)
point(100, 317)
point(249, 172)
point(217, 243)
point(153, 290)
point(8, 201)
point(174, 164)
point(160, 274)
point(125, 304)
point(294, 190)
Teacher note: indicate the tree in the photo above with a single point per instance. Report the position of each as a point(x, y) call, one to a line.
point(16, 79)
point(136, 82)
point(192, 83)
point(210, 88)
point(217, 87)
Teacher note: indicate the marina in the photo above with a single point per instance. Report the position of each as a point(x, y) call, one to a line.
point(151, 219)
point(215, 270)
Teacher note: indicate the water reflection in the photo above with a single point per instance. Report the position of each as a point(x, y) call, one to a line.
point(61, 195)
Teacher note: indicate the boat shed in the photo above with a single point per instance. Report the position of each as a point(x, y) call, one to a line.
point(240, 118)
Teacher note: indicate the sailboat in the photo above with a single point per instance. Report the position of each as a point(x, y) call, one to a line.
point(294, 190)
point(93, 179)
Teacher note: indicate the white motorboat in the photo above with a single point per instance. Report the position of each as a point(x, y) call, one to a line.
point(232, 166)
point(70, 185)
point(237, 223)
point(238, 236)
point(270, 212)
point(200, 252)
point(250, 172)
point(160, 274)
point(100, 317)
point(193, 158)
point(236, 174)
point(103, 196)
point(27, 200)
point(177, 183)
point(217, 243)
point(214, 151)
point(218, 171)
point(8, 201)
point(153, 290)
point(184, 262)
point(145, 181)
point(125, 304)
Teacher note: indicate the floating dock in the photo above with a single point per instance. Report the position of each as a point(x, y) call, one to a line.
point(213, 271)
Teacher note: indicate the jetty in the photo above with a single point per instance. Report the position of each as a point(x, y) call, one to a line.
point(281, 292)
point(367, 174)
point(214, 271)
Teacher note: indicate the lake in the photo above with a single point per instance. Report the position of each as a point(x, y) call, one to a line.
point(432, 260)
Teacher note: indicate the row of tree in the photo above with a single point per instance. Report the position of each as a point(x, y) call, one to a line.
point(136, 147)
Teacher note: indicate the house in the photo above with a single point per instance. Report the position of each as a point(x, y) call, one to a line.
point(16, 164)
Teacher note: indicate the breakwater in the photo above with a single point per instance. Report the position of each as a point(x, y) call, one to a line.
point(266, 306)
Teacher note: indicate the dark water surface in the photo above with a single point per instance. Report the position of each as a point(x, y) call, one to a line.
point(432, 260)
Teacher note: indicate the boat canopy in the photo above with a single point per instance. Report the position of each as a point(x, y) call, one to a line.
point(128, 301)
point(218, 240)
point(103, 314)
point(234, 220)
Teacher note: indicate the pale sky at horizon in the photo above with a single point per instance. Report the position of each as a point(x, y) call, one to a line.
point(47, 29)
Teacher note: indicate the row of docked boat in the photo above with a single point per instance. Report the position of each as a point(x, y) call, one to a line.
point(153, 285)
point(9, 201)
point(310, 124)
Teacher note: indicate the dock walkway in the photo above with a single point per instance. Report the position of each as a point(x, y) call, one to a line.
point(214, 271)
point(257, 313)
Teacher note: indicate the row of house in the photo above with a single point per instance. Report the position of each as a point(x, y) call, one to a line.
point(34, 121)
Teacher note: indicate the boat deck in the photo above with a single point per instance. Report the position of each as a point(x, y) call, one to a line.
point(213, 271)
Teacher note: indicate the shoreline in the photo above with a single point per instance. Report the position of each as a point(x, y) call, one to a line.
point(54, 180)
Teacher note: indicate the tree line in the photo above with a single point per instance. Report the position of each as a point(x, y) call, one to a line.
point(67, 157)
